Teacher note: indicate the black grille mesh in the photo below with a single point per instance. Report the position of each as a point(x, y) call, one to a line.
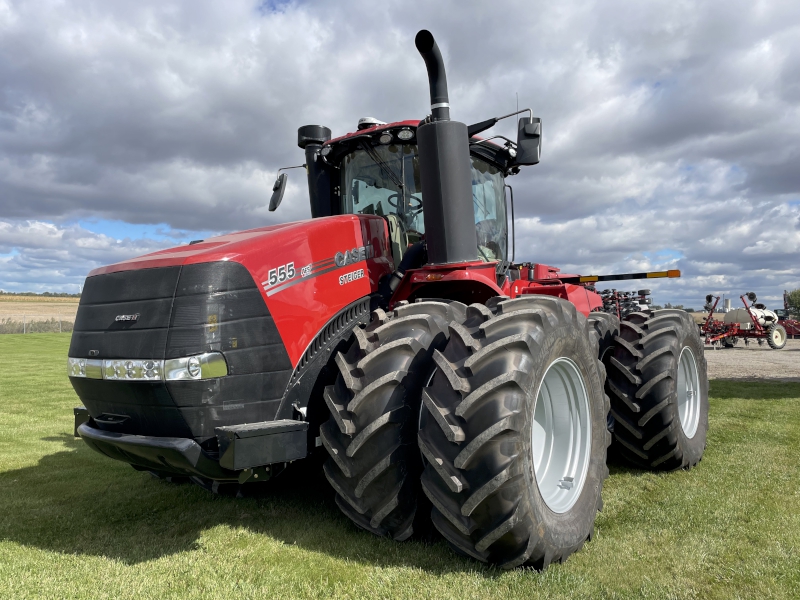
point(182, 311)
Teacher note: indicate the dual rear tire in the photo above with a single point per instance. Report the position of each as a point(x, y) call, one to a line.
point(658, 385)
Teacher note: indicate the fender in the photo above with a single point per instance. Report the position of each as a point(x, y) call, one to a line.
point(466, 282)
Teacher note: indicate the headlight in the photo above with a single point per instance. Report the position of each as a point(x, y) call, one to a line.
point(203, 366)
point(133, 370)
point(85, 367)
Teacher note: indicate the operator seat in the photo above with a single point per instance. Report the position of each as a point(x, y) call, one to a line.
point(398, 238)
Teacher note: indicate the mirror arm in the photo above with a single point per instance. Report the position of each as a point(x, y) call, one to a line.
point(476, 128)
point(303, 166)
point(279, 187)
point(494, 137)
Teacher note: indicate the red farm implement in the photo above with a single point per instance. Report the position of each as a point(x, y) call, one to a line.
point(753, 322)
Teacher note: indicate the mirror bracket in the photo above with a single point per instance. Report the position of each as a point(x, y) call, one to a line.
point(280, 186)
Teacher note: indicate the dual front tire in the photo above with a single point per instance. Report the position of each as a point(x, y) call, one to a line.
point(514, 434)
point(497, 415)
point(374, 465)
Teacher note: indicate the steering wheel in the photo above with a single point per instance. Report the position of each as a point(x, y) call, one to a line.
point(413, 208)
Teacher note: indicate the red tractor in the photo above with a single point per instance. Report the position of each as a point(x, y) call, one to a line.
point(448, 385)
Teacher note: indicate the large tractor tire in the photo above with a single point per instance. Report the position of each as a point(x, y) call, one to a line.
point(776, 336)
point(513, 432)
point(605, 327)
point(374, 463)
point(658, 384)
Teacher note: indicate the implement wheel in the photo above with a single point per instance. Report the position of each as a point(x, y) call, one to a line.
point(658, 386)
point(514, 435)
point(374, 463)
point(776, 336)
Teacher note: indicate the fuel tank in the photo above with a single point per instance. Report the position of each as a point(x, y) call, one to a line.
point(764, 317)
point(259, 298)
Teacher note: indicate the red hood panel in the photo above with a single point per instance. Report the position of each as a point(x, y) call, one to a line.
point(223, 247)
point(307, 271)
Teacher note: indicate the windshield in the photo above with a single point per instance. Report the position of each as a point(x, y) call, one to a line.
point(384, 180)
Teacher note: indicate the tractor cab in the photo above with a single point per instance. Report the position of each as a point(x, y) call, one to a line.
point(376, 171)
point(384, 179)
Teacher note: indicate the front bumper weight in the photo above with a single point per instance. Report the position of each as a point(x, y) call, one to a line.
point(258, 444)
point(181, 456)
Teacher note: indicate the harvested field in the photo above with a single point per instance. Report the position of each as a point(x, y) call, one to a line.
point(22, 305)
point(35, 314)
point(755, 362)
point(48, 299)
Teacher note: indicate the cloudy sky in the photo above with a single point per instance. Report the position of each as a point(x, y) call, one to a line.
point(671, 129)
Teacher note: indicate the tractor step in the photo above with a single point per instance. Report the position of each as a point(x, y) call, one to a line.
point(257, 444)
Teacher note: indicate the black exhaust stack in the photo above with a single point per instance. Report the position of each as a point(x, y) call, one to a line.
point(445, 170)
point(310, 138)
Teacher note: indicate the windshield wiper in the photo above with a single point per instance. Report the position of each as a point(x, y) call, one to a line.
point(370, 151)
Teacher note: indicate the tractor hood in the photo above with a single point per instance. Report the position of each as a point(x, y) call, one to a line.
point(242, 245)
point(305, 271)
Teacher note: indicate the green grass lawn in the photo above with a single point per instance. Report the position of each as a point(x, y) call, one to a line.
point(75, 524)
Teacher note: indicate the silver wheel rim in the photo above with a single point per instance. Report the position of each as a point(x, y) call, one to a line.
point(688, 393)
point(561, 435)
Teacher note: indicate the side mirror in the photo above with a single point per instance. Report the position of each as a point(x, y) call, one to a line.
point(529, 141)
point(277, 192)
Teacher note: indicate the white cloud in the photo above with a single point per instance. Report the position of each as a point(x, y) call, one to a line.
point(671, 129)
point(38, 256)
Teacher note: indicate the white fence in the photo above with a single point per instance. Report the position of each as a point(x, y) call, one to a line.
point(36, 323)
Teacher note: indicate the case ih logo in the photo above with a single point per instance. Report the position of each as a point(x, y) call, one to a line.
point(350, 257)
point(127, 317)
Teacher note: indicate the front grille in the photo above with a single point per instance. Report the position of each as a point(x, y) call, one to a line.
point(182, 311)
point(148, 293)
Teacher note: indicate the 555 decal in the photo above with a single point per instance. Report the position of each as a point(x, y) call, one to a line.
point(284, 276)
point(281, 274)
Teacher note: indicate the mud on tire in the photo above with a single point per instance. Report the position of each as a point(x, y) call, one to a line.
point(375, 465)
point(477, 433)
point(659, 406)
